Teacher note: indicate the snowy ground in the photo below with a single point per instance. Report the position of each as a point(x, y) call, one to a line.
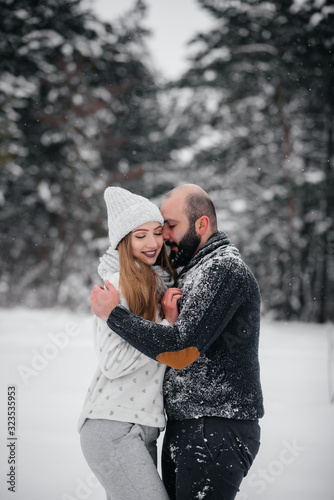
point(47, 357)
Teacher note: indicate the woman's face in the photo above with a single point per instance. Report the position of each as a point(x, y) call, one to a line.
point(146, 242)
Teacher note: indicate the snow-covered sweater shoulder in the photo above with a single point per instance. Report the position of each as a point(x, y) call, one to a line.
point(213, 346)
point(127, 385)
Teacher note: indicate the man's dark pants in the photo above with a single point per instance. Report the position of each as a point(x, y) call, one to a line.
point(208, 457)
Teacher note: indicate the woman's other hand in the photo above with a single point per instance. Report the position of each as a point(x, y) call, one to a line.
point(169, 304)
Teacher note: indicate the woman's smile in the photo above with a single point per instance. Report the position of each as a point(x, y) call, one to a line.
point(150, 253)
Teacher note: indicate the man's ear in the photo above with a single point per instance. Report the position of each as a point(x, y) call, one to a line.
point(202, 225)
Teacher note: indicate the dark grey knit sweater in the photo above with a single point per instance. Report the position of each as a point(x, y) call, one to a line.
point(219, 317)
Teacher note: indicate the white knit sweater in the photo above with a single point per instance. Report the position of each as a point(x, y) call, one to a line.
point(127, 385)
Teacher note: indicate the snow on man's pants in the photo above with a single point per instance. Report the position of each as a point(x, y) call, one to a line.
point(207, 458)
point(123, 457)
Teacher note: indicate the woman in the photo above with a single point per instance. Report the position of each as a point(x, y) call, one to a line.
point(123, 410)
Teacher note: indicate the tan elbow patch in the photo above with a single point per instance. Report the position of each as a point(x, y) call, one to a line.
point(179, 359)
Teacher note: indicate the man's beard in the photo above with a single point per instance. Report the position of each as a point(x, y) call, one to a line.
point(186, 248)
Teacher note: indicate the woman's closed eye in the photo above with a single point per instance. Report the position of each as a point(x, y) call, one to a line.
point(141, 236)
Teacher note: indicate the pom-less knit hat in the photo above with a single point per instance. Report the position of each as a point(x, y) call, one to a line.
point(126, 211)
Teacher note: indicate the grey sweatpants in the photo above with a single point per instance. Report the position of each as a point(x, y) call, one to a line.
point(123, 457)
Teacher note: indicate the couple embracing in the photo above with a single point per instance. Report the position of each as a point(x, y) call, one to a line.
point(177, 338)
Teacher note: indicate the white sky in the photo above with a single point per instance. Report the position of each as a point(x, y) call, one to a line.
point(173, 23)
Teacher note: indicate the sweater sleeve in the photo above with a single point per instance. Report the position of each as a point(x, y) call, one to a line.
point(211, 297)
point(116, 357)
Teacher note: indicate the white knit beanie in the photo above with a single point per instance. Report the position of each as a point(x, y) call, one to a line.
point(126, 211)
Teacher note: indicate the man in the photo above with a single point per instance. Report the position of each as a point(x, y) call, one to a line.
point(213, 396)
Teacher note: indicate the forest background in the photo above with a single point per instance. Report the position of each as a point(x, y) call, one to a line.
point(82, 107)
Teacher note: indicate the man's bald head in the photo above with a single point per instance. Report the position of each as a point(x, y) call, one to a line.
point(196, 203)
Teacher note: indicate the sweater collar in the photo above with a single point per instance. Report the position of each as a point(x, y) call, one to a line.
point(109, 262)
point(217, 240)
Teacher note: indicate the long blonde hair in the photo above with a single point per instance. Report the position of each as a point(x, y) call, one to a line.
point(140, 284)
